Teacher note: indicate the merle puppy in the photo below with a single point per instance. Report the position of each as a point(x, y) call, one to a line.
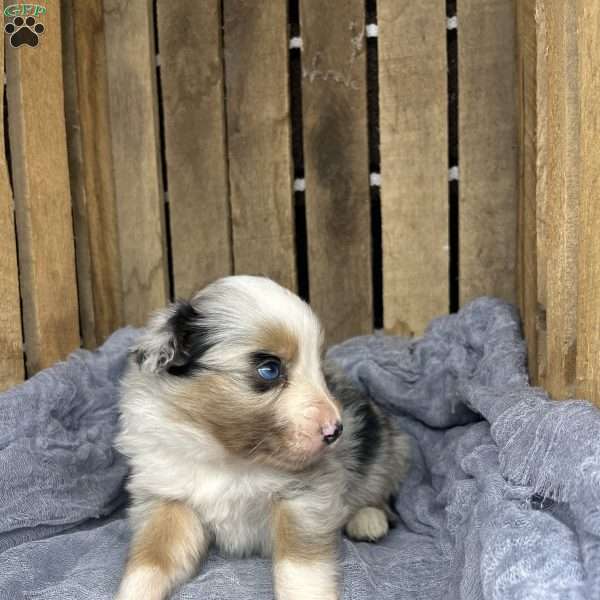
point(239, 435)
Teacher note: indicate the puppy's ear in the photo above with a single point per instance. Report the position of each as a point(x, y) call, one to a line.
point(175, 338)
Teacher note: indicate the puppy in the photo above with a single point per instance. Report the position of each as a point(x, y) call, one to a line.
point(238, 435)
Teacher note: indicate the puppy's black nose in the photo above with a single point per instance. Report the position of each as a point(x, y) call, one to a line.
point(330, 434)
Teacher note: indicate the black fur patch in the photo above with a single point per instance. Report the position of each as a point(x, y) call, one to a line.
point(368, 433)
point(368, 430)
point(257, 383)
point(138, 355)
point(191, 339)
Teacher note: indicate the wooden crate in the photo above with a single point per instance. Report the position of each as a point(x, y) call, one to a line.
point(359, 153)
point(559, 60)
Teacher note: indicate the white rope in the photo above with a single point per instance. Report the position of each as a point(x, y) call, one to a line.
point(372, 30)
point(296, 42)
point(299, 185)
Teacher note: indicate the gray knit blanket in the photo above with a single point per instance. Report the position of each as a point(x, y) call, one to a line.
point(502, 500)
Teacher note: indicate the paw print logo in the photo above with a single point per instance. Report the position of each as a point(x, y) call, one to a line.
point(24, 31)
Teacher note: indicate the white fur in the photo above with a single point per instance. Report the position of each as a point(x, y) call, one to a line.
point(144, 583)
point(234, 498)
point(262, 302)
point(306, 581)
point(368, 523)
point(176, 461)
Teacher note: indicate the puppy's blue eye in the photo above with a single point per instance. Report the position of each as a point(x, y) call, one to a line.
point(269, 370)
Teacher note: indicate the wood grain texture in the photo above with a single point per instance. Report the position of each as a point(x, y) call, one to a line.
point(76, 179)
point(91, 168)
point(193, 104)
point(42, 197)
point(12, 367)
point(588, 309)
point(336, 165)
point(540, 243)
point(414, 163)
point(558, 80)
point(488, 149)
point(135, 135)
point(528, 147)
point(259, 138)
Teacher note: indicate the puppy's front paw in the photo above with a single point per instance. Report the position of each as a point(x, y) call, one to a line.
point(368, 524)
point(143, 583)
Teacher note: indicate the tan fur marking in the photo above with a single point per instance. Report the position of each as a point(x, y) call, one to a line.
point(293, 543)
point(165, 537)
point(232, 415)
point(277, 339)
point(248, 425)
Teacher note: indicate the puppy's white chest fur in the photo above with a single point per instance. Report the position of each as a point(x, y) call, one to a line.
point(236, 507)
point(234, 498)
point(235, 501)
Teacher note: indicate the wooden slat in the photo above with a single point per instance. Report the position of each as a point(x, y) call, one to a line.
point(527, 233)
point(192, 86)
point(135, 135)
point(414, 162)
point(12, 369)
point(588, 317)
point(540, 242)
point(336, 165)
point(488, 149)
point(557, 22)
point(259, 138)
point(91, 168)
point(76, 179)
point(42, 197)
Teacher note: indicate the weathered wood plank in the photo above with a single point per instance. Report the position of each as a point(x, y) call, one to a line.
point(192, 86)
point(588, 309)
point(91, 169)
point(12, 368)
point(259, 138)
point(557, 23)
point(528, 144)
point(414, 163)
point(75, 152)
point(541, 234)
point(336, 165)
point(488, 149)
point(135, 146)
point(42, 197)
